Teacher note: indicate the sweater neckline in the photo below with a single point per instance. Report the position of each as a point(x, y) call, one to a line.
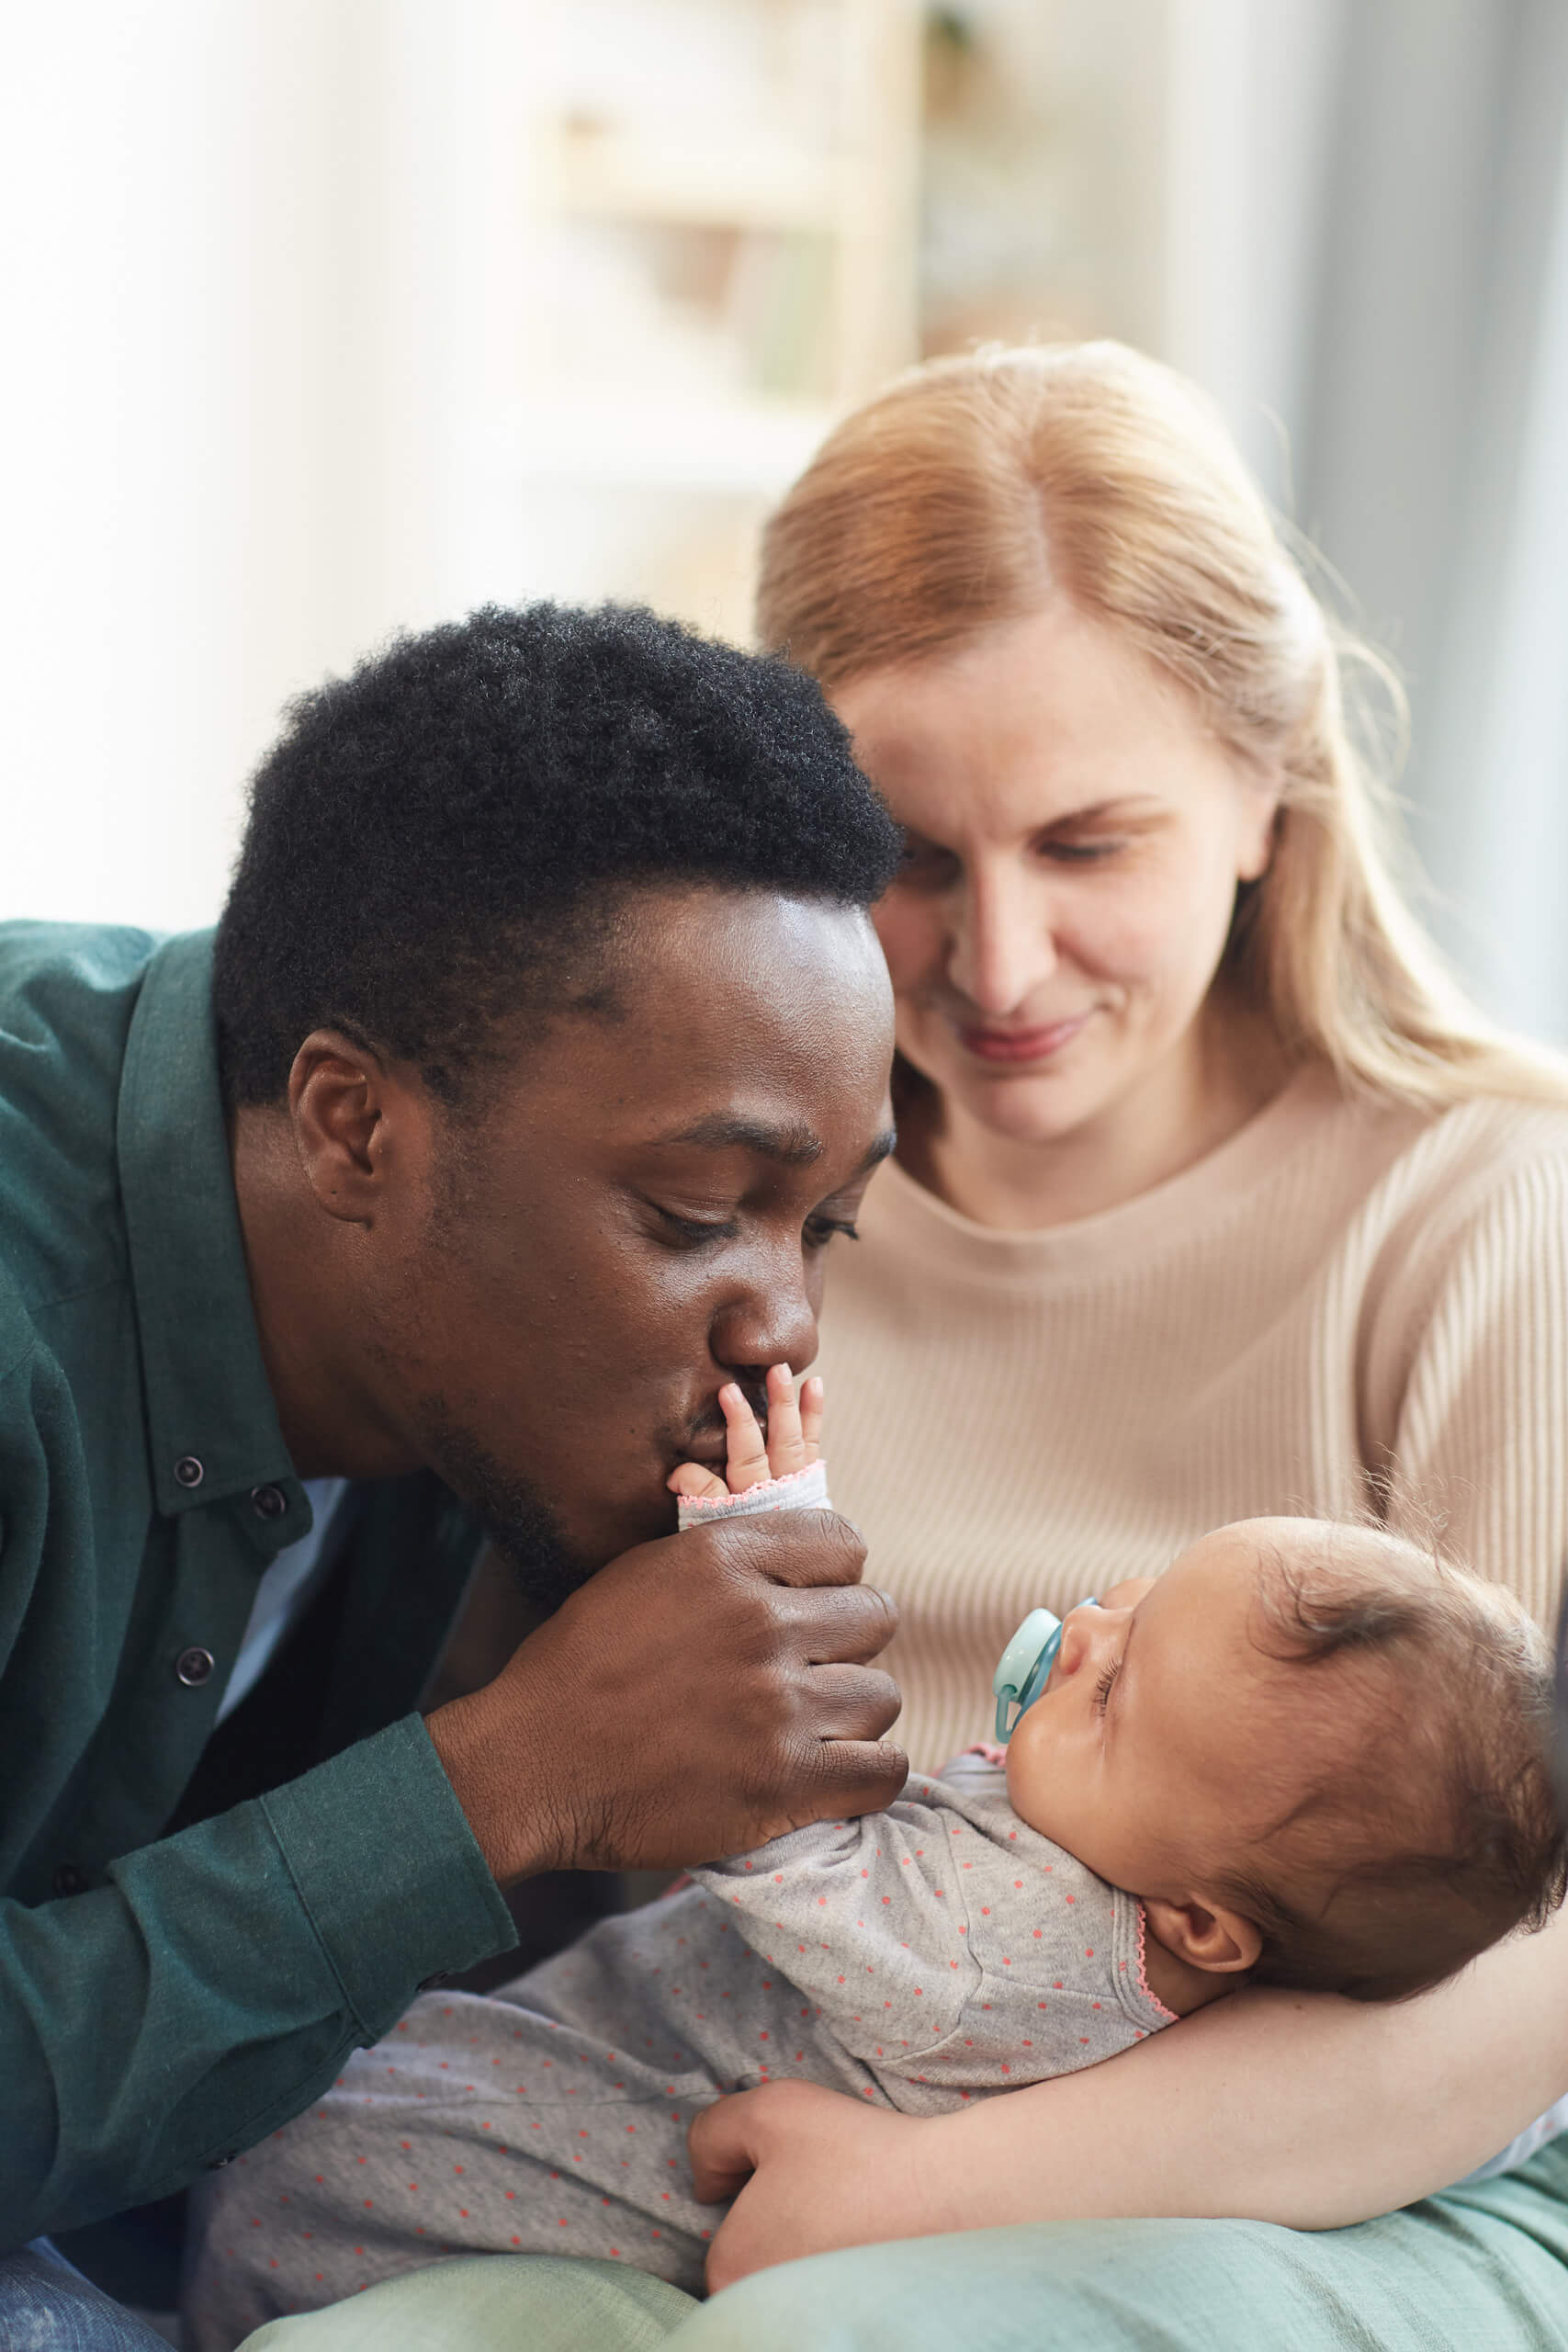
point(1151, 1223)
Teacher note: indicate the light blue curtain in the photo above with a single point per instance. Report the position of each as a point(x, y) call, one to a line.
point(1432, 462)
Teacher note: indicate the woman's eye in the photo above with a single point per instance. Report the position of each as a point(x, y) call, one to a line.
point(819, 1230)
point(1080, 852)
point(1105, 1685)
point(926, 864)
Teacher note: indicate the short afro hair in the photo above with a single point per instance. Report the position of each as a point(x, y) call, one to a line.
point(439, 836)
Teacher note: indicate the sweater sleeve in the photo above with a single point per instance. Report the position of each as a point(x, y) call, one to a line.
point(1479, 1424)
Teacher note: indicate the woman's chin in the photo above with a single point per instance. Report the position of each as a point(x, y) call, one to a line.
point(1029, 1108)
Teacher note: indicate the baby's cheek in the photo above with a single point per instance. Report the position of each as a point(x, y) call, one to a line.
point(1027, 1784)
point(1046, 1769)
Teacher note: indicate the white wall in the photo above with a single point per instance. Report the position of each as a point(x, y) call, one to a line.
point(274, 286)
point(251, 299)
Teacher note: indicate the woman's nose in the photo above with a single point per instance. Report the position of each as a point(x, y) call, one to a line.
point(1002, 943)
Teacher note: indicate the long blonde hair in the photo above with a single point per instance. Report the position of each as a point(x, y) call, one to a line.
point(976, 488)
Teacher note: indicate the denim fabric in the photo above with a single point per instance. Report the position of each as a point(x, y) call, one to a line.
point(46, 2306)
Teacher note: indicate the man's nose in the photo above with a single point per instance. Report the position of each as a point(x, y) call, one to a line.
point(772, 1321)
point(1003, 945)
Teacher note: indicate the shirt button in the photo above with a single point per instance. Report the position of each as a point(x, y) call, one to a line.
point(188, 1470)
point(268, 1502)
point(70, 1880)
point(193, 1667)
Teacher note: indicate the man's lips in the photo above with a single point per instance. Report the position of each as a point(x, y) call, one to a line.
point(1022, 1044)
point(711, 1447)
point(712, 1452)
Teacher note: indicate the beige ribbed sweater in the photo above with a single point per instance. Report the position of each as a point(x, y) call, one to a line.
point(1340, 1290)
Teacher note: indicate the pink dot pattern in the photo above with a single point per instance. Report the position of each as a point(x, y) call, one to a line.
point(918, 1959)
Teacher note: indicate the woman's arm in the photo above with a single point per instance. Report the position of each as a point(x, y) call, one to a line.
point(1276, 2106)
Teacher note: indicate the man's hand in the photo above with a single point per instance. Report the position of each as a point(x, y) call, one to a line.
point(698, 1696)
point(809, 2169)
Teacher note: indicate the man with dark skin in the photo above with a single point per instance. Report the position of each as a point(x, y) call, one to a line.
point(542, 1050)
point(743, 1085)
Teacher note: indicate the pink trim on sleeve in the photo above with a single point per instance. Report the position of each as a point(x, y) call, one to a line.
point(1150, 1995)
point(797, 1490)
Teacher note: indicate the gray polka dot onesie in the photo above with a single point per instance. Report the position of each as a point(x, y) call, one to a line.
point(916, 1959)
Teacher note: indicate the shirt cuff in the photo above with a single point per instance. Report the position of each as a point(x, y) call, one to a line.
point(388, 1871)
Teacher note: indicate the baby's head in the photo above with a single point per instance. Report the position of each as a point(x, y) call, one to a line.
point(1316, 1752)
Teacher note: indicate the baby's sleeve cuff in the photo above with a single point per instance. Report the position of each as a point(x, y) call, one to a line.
point(802, 1490)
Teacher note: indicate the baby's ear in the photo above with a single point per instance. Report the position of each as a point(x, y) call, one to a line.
point(1206, 1934)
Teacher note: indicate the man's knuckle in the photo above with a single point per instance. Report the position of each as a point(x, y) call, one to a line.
point(885, 1607)
point(846, 1539)
point(873, 1617)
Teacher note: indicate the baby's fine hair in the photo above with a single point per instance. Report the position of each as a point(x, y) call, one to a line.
point(1434, 1831)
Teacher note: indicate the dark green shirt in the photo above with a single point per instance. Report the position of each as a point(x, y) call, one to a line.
point(167, 1999)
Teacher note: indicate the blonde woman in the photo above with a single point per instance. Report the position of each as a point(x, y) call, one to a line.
point(1212, 1197)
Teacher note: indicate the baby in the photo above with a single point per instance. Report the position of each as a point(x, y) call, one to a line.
point(1307, 1755)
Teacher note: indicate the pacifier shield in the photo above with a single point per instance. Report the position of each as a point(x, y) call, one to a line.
point(1040, 1632)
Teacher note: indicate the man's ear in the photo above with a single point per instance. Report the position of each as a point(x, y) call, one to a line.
point(347, 1112)
point(1206, 1936)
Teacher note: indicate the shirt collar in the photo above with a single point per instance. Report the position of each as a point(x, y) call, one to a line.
point(212, 1422)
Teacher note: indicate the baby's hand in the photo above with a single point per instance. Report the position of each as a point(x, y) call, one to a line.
point(793, 1439)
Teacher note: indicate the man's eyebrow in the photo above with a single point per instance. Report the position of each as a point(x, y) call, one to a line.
point(794, 1146)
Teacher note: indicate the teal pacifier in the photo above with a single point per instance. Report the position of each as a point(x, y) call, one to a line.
point(1025, 1666)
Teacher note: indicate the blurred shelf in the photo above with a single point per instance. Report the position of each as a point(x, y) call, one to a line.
point(729, 448)
point(609, 174)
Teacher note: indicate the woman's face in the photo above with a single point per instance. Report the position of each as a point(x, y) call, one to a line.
point(1074, 839)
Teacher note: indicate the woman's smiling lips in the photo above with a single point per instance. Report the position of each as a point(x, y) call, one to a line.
point(1022, 1044)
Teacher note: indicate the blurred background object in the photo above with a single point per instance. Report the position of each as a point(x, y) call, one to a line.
point(327, 317)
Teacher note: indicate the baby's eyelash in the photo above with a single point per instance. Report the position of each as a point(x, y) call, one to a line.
point(1106, 1684)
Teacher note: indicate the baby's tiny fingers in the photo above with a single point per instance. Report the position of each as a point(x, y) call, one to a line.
point(811, 1412)
point(786, 1450)
point(748, 1456)
point(689, 1478)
